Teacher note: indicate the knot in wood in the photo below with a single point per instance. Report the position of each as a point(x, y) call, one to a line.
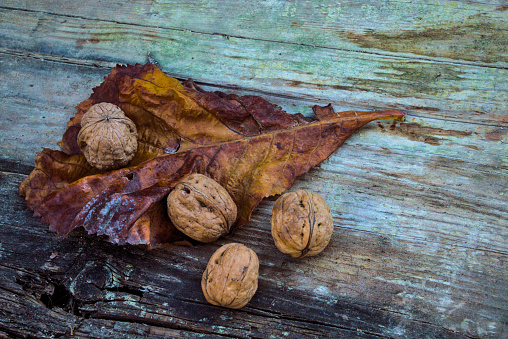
point(231, 276)
point(108, 138)
point(302, 223)
point(201, 208)
point(91, 282)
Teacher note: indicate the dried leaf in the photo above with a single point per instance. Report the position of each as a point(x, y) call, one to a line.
point(250, 146)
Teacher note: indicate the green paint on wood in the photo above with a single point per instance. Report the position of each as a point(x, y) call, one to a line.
point(447, 29)
point(459, 30)
point(308, 72)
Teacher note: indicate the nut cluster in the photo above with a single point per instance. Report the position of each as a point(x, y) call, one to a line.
point(302, 223)
point(108, 138)
point(231, 276)
point(201, 208)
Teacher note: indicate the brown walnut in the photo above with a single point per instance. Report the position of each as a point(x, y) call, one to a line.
point(201, 208)
point(302, 223)
point(108, 138)
point(231, 276)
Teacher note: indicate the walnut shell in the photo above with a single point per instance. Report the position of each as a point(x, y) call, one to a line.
point(231, 276)
point(302, 223)
point(108, 138)
point(201, 208)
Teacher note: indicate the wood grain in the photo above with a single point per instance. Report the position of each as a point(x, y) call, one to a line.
point(412, 237)
point(471, 31)
point(441, 89)
point(362, 284)
point(419, 247)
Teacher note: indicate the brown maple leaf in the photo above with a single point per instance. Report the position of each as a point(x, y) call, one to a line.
point(251, 147)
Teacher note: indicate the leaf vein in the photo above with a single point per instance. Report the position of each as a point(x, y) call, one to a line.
point(290, 153)
point(261, 127)
point(257, 167)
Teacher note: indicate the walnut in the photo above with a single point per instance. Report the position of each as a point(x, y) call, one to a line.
point(302, 223)
point(108, 139)
point(201, 208)
point(231, 276)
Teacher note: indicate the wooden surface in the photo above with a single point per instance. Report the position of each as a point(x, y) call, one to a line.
point(420, 208)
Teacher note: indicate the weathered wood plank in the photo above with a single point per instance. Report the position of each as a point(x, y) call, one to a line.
point(472, 31)
point(363, 284)
point(452, 91)
point(419, 246)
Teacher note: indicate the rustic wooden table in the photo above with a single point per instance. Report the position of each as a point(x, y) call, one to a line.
point(420, 208)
